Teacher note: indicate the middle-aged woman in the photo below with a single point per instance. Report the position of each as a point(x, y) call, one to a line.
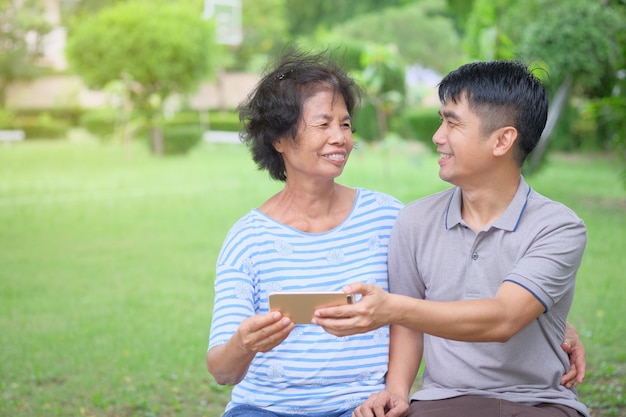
point(313, 235)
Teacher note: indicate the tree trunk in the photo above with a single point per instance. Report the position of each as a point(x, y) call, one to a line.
point(382, 121)
point(156, 136)
point(556, 108)
point(4, 85)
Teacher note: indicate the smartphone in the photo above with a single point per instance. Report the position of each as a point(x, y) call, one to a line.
point(300, 306)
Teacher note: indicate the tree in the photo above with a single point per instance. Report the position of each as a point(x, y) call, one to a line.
point(420, 31)
point(485, 38)
point(307, 16)
point(572, 44)
point(382, 79)
point(459, 11)
point(155, 49)
point(578, 45)
point(265, 31)
point(19, 21)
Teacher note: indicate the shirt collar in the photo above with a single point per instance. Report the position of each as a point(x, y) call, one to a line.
point(509, 219)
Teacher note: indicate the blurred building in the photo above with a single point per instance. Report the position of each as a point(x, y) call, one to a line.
point(65, 90)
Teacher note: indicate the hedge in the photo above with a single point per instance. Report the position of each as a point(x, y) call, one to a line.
point(418, 123)
point(180, 139)
point(43, 126)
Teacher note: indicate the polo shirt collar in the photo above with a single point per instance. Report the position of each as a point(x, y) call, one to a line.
point(509, 219)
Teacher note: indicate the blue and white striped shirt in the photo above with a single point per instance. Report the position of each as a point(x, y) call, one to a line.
point(311, 371)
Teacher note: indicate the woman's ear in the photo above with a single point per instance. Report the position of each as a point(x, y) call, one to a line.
point(278, 145)
point(507, 136)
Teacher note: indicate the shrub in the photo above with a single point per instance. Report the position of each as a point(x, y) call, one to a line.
point(36, 124)
point(224, 120)
point(71, 115)
point(43, 126)
point(213, 120)
point(188, 117)
point(7, 119)
point(99, 122)
point(366, 124)
point(418, 124)
point(180, 139)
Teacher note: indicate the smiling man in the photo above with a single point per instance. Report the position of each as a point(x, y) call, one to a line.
point(482, 275)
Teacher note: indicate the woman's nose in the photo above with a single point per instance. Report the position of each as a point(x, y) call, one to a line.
point(338, 135)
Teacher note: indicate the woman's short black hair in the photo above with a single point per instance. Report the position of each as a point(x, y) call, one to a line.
point(274, 108)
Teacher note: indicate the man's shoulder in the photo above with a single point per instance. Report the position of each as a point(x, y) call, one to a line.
point(426, 211)
point(540, 205)
point(431, 202)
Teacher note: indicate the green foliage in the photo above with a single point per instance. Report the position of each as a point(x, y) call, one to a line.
point(609, 113)
point(578, 38)
point(265, 32)
point(99, 122)
point(224, 120)
point(17, 57)
point(306, 16)
point(382, 79)
point(213, 120)
point(180, 139)
point(460, 11)
point(36, 124)
point(419, 123)
point(490, 28)
point(382, 69)
point(365, 123)
point(155, 49)
point(43, 126)
point(73, 11)
point(420, 31)
point(162, 48)
point(346, 51)
point(607, 393)
point(7, 119)
point(71, 115)
point(572, 131)
point(575, 40)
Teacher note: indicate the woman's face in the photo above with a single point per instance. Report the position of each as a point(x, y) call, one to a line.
point(324, 139)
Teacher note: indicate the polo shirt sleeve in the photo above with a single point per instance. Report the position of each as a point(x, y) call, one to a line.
point(552, 252)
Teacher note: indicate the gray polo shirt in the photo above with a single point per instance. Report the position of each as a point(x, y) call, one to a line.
point(538, 244)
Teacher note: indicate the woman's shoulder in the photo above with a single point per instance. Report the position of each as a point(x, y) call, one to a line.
point(365, 195)
point(252, 221)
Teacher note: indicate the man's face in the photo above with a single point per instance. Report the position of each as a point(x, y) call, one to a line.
point(465, 154)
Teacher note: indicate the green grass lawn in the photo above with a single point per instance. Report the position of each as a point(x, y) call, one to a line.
point(107, 260)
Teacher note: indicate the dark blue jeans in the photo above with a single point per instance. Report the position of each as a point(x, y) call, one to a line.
point(250, 411)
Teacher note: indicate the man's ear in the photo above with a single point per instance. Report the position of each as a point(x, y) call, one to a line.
point(505, 140)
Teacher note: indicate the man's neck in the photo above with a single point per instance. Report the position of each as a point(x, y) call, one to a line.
point(483, 205)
